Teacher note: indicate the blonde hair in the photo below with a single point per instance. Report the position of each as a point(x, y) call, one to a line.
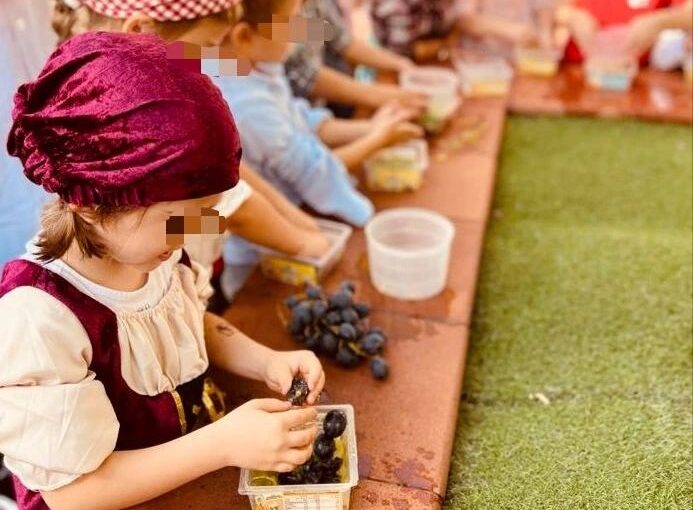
point(68, 22)
point(61, 226)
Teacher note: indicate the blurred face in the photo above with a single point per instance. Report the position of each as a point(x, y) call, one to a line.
point(271, 41)
point(146, 237)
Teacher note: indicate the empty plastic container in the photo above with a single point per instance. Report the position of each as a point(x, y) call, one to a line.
point(608, 65)
point(298, 270)
point(399, 168)
point(537, 61)
point(264, 493)
point(442, 88)
point(483, 76)
point(409, 252)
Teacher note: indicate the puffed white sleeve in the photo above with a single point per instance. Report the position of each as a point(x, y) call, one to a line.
point(56, 421)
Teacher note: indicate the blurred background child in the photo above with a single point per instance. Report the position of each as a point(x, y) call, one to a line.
point(645, 20)
point(287, 140)
point(325, 71)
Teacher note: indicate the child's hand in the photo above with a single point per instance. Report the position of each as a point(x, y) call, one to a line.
point(522, 35)
point(267, 435)
point(390, 124)
point(415, 101)
point(284, 366)
point(315, 245)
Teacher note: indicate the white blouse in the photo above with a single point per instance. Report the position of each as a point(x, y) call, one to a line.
point(56, 422)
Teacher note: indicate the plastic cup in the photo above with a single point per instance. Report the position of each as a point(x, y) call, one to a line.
point(409, 252)
point(442, 88)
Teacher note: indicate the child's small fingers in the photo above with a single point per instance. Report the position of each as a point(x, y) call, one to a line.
point(302, 438)
point(316, 389)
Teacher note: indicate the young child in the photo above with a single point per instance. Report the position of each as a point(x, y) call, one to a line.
point(106, 345)
point(646, 19)
point(283, 136)
point(325, 70)
point(497, 26)
point(254, 210)
point(415, 28)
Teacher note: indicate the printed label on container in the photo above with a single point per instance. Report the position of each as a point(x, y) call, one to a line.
point(328, 501)
point(270, 502)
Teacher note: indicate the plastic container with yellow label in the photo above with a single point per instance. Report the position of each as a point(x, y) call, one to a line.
point(484, 76)
point(264, 493)
point(399, 168)
point(299, 271)
point(537, 61)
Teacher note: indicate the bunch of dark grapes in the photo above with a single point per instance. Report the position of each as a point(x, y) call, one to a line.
point(336, 325)
point(324, 466)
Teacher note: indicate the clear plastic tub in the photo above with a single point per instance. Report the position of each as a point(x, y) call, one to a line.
point(608, 65)
point(537, 61)
point(399, 168)
point(268, 496)
point(484, 76)
point(297, 270)
point(409, 252)
point(442, 88)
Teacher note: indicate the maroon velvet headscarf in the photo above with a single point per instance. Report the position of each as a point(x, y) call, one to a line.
point(110, 120)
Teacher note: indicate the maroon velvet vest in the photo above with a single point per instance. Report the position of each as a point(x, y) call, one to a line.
point(144, 421)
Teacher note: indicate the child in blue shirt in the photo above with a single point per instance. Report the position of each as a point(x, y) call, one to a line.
point(286, 139)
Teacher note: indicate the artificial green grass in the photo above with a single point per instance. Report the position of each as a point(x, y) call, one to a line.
point(584, 296)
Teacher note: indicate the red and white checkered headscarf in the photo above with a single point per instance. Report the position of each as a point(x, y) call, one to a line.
point(158, 10)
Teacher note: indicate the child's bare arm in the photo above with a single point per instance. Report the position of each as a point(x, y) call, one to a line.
point(480, 25)
point(336, 132)
point(279, 201)
point(340, 88)
point(360, 52)
point(258, 435)
point(128, 478)
point(259, 222)
point(233, 351)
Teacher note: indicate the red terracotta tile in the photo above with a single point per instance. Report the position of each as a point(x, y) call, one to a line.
point(454, 304)
point(460, 187)
point(372, 495)
point(655, 95)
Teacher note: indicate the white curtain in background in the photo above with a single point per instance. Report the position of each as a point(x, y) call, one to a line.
point(26, 40)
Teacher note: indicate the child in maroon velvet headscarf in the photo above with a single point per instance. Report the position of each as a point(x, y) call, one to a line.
point(104, 386)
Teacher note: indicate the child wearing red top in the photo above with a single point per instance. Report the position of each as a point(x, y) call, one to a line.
point(645, 20)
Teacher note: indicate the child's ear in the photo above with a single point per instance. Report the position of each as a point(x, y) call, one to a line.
point(241, 37)
point(139, 22)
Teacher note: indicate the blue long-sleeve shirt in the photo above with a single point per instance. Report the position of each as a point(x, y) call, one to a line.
point(278, 134)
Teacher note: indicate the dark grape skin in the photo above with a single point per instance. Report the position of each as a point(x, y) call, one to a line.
point(314, 291)
point(372, 343)
point(334, 424)
point(340, 300)
point(350, 315)
point(362, 310)
point(324, 447)
point(347, 331)
point(329, 343)
point(346, 357)
point(379, 368)
point(292, 301)
point(333, 318)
